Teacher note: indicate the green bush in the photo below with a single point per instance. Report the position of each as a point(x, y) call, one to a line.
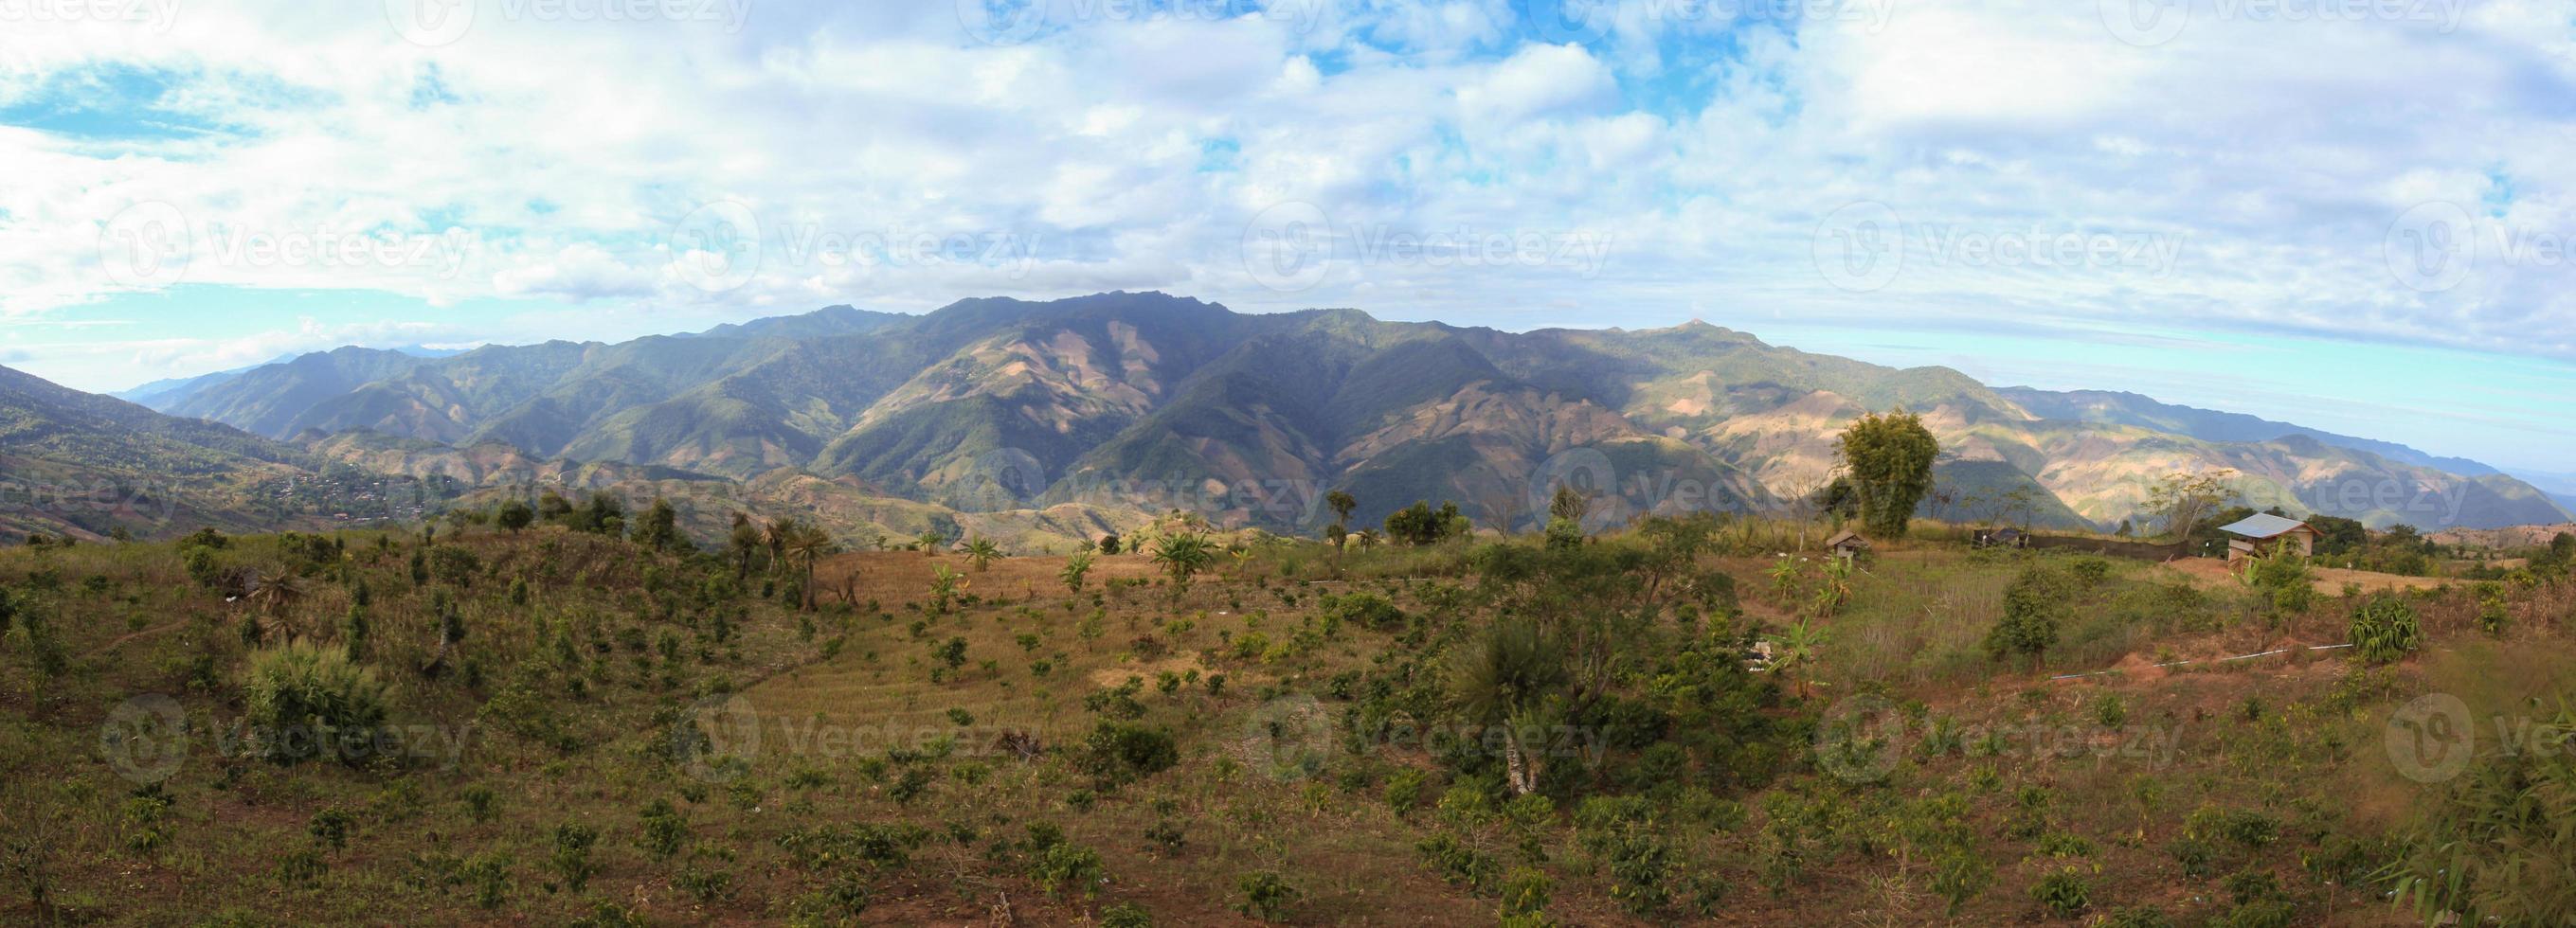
point(1118, 752)
point(1266, 896)
point(2062, 892)
point(2384, 629)
point(303, 702)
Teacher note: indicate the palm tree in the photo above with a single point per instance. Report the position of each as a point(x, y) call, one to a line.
point(1503, 678)
point(1799, 647)
point(945, 584)
point(929, 542)
point(1075, 569)
point(981, 552)
point(802, 550)
point(1182, 556)
point(275, 595)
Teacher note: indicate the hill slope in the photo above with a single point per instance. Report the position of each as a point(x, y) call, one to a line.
point(1141, 402)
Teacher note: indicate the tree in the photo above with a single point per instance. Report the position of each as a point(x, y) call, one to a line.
point(1889, 457)
point(513, 516)
point(1504, 677)
point(2182, 499)
point(744, 543)
point(809, 545)
point(661, 528)
point(945, 585)
point(1342, 504)
point(981, 552)
point(1075, 569)
point(2032, 605)
point(1109, 543)
point(929, 541)
point(1799, 647)
point(1419, 524)
point(1183, 556)
point(1565, 512)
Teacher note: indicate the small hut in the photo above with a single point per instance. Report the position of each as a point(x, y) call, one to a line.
point(1847, 544)
point(2264, 534)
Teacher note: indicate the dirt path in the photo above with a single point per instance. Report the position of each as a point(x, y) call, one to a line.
point(2213, 573)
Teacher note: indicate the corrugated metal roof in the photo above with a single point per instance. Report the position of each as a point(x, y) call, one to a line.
point(2264, 525)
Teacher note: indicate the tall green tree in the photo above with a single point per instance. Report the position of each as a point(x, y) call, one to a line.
point(1889, 458)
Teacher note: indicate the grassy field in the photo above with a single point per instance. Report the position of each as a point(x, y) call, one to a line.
point(625, 736)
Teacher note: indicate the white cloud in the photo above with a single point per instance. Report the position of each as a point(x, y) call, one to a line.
point(1127, 152)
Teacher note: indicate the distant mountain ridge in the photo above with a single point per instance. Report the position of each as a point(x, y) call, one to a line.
point(1137, 402)
point(2133, 409)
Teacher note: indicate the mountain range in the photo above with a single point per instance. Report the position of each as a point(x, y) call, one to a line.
point(1034, 421)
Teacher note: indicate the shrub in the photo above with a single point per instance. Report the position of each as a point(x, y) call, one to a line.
point(2032, 606)
point(1961, 875)
point(1266, 896)
point(2384, 629)
point(1064, 868)
point(330, 827)
point(1118, 752)
point(571, 859)
point(2062, 893)
point(303, 702)
point(663, 829)
point(1366, 610)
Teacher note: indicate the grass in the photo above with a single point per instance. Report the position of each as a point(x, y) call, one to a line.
point(2155, 789)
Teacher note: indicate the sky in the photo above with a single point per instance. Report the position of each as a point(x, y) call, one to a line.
point(2350, 214)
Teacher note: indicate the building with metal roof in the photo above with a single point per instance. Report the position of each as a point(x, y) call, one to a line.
point(2264, 533)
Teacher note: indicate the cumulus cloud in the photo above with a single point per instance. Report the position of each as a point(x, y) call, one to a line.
point(2034, 160)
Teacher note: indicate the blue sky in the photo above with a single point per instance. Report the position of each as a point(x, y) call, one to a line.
point(2206, 202)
